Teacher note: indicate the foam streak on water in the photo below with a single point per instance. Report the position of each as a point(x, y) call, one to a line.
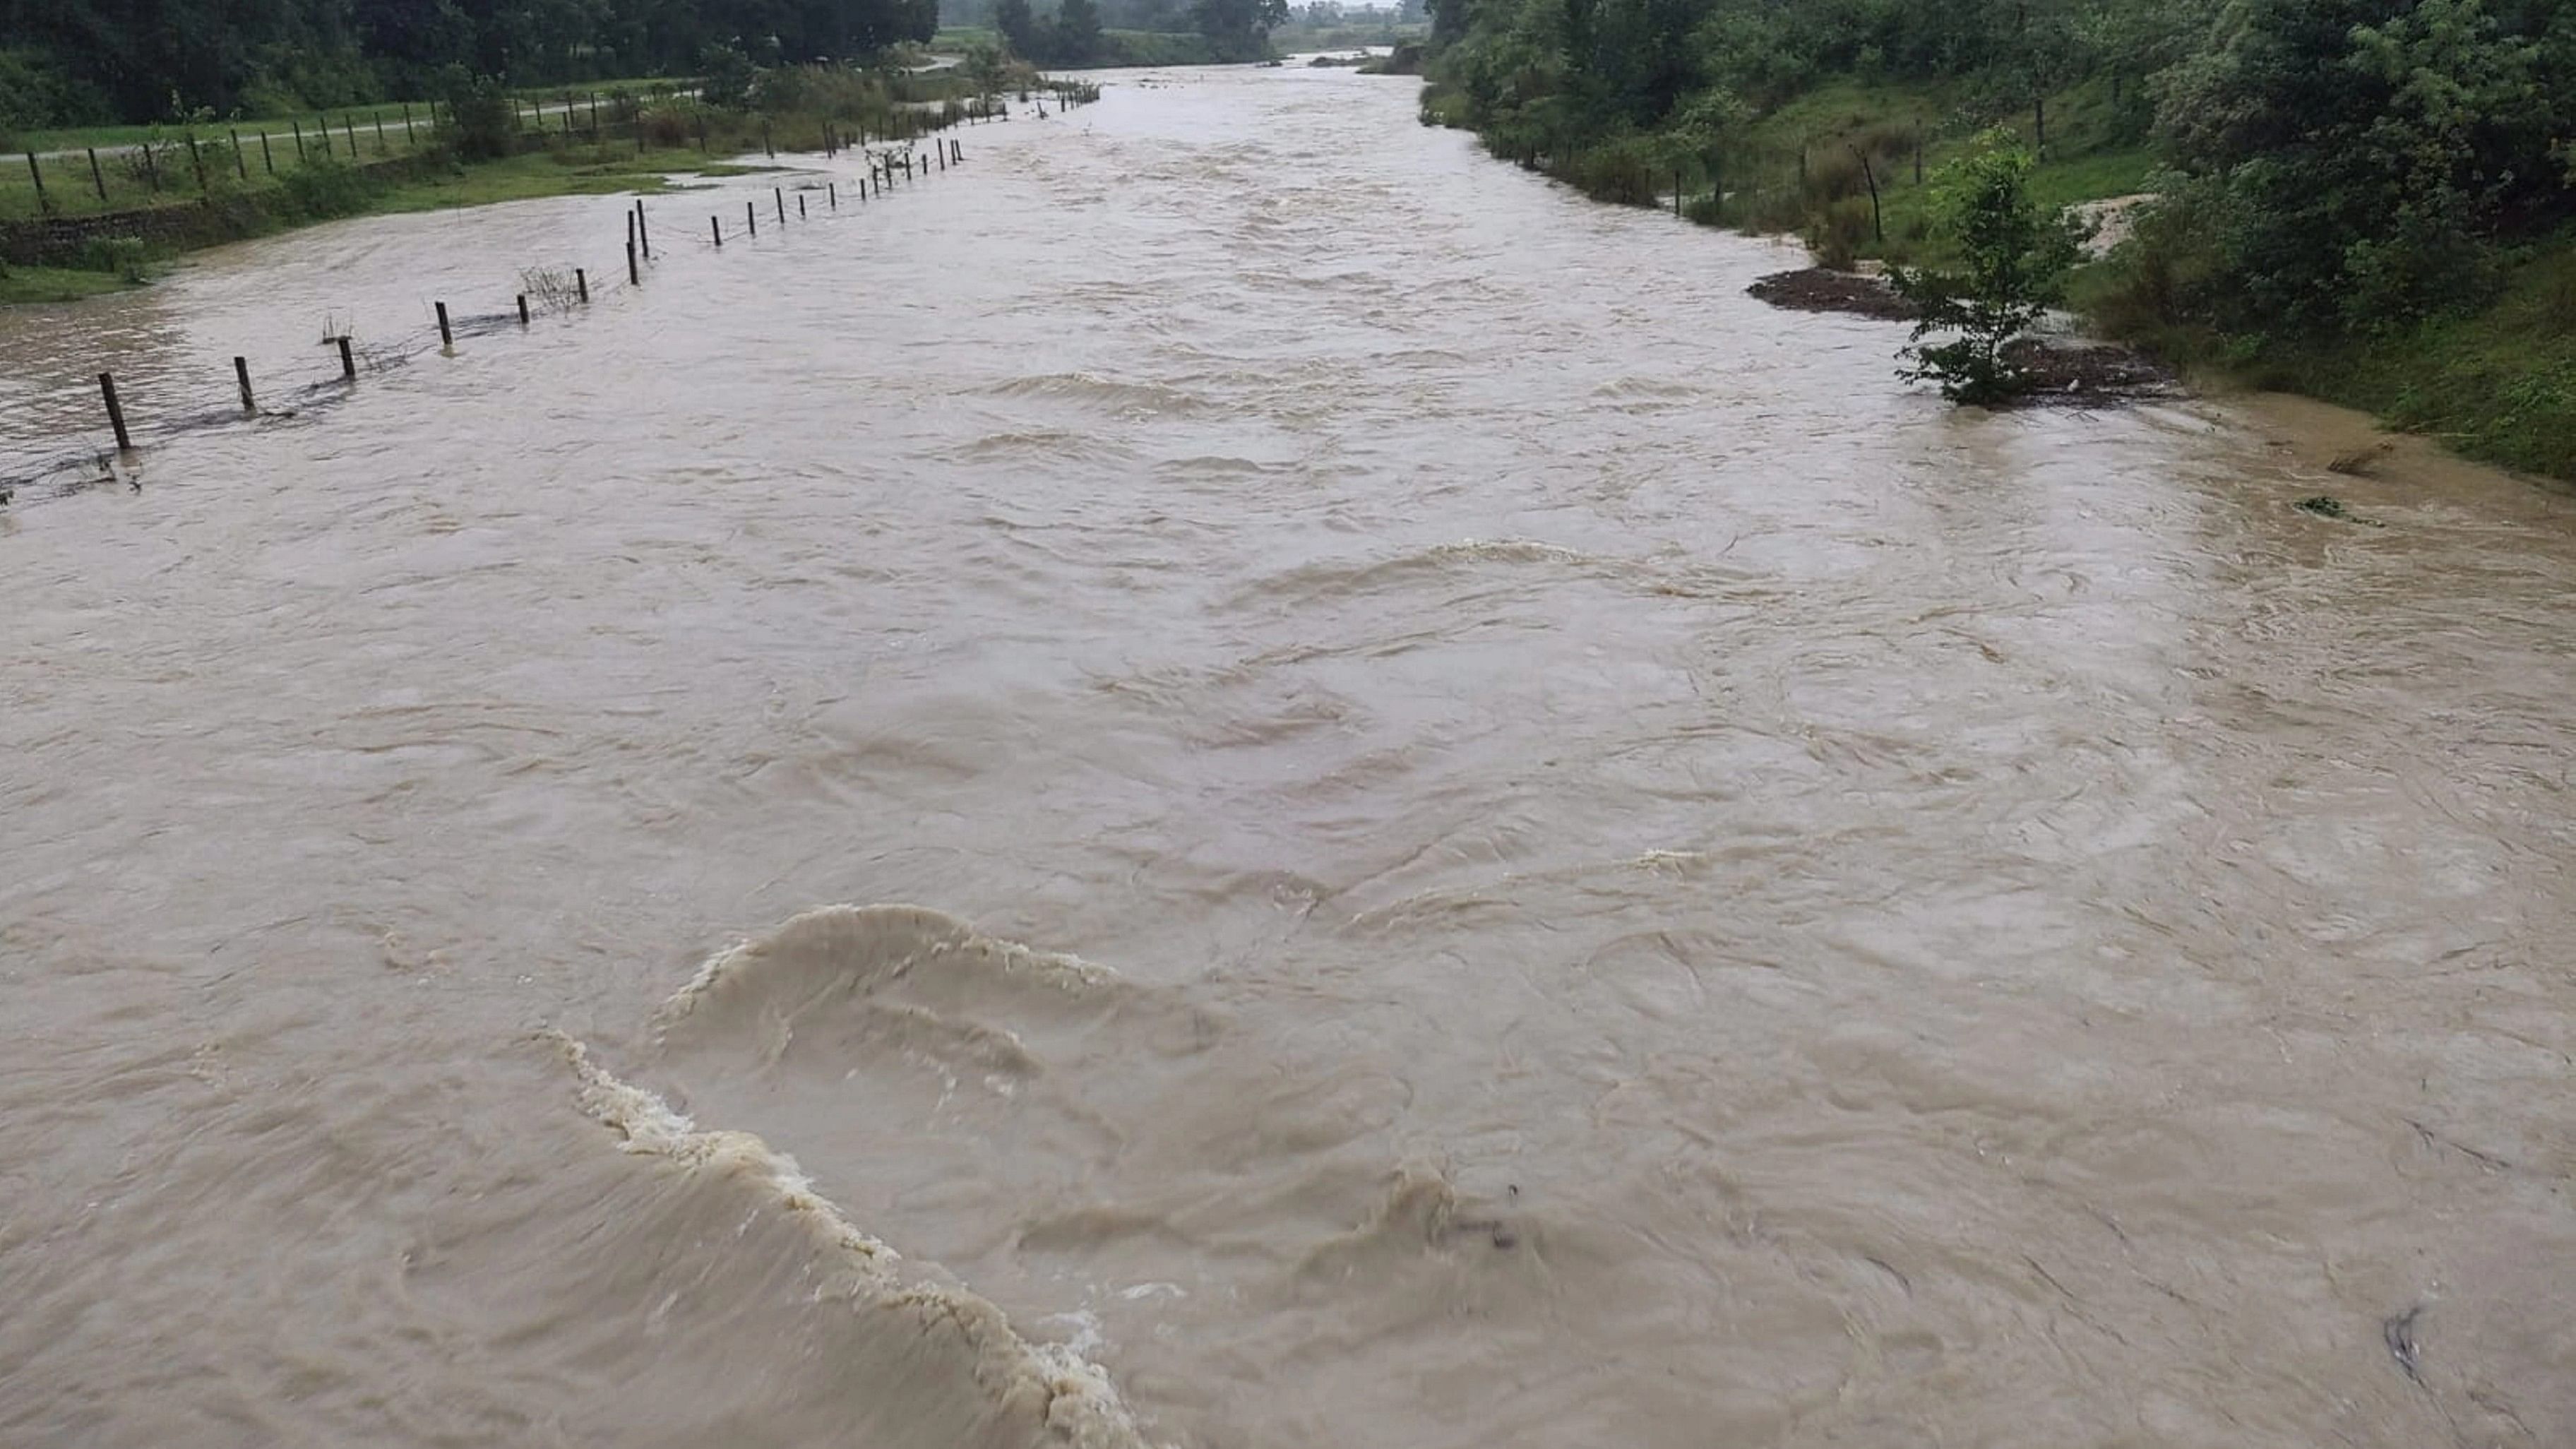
point(1515, 849)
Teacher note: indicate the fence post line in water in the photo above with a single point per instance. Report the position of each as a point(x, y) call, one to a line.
point(446, 338)
point(523, 309)
point(241, 374)
point(779, 195)
point(643, 230)
point(348, 360)
point(717, 227)
point(581, 284)
point(634, 278)
point(115, 414)
point(751, 218)
point(96, 178)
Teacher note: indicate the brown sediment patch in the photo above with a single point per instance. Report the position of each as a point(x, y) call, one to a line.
point(1821, 289)
point(2060, 370)
point(2083, 371)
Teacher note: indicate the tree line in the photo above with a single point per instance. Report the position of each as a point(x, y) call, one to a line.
point(76, 62)
point(2328, 166)
point(1076, 32)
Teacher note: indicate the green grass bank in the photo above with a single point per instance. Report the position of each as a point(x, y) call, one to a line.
point(1848, 166)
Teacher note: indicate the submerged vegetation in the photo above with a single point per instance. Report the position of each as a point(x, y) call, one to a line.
point(2371, 200)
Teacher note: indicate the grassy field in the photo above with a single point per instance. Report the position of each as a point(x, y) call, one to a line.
point(125, 181)
point(366, 116)
point(578, 171)
point(56, 284)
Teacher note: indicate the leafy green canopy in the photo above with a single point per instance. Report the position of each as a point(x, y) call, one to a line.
point(77, 61)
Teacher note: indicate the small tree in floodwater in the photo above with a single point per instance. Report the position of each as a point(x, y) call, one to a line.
point(2013, 258)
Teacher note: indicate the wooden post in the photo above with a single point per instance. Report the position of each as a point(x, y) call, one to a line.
point(1677, 191)
point(380, 133)
point(115, 414)
point(594, 117)
point(266, 157)
point(351, 127)
point(241, 163)
point(717, 227)
point(764, 141)
point(38, 172)
point(779, 194)
point(751, 218)
point(630, 228)
point(241, 374)
point(348, 360)
point(96, 177)
point(1869, 173)
point(446, 338)
point(407, 131)
point(197, 160)
point(299, 142)
point(523, 309)
point(832, 189)
point(325, 129)
point(581, 284)
point(643, 230)
point(800, 206)
point(634, 278)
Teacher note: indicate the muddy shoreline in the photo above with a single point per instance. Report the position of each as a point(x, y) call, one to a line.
point(2062, 369)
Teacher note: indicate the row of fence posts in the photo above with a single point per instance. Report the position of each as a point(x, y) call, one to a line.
point(639, 249)
point(833, 142)
point(240, 153)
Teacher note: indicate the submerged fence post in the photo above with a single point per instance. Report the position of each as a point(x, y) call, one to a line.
point(446, 338)
point(581, 284)
point(779, 194)
point(643, 231)
point(717, 227)
point(348, 360)
point(800, 206)
point(751, 218)
point(115, 414)
point(523, 309)
point(634, 278)
point(832, 189)
point(241, 374)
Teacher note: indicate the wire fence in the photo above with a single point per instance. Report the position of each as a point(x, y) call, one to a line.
point(270, 396)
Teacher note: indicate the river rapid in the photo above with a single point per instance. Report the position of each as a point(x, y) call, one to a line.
point(1236, 778)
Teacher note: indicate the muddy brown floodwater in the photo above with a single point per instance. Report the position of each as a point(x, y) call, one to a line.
point(1499, 845)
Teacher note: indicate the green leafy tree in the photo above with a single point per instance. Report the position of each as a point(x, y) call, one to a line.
point(1239, 29)
point(2014, 255)
point(725, 75)
point(1018, 25)
point(480, 123)
point(1077, 32)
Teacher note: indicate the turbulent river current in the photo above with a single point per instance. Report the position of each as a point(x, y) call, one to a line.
point(1232, 778)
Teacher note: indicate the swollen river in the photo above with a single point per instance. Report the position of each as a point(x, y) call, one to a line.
point(1235, 779)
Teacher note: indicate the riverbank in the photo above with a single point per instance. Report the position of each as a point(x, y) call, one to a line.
point(633, 148)
point(1849, 169)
